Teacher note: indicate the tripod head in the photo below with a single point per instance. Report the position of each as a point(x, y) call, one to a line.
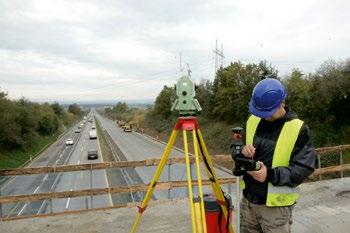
point(185, 103)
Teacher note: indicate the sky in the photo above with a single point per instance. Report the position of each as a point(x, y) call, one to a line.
point(128, 50)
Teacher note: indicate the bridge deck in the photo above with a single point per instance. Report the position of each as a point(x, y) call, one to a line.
point(324, 206)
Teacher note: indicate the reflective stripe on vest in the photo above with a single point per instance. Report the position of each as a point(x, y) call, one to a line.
point(252, 124)
point(279, 195)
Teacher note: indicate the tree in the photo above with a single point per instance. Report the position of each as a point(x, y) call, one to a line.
point(330, 102)
point(22, 121)
point(75, 109)
point(120, 108)
point(204, 95)
point(298, 92)
point(232, 90)
point(163, 103)
point(48, 121)
point(58, 109)
point(27, 119)
point(267, 70)
point(321, 99)
point(10, 132)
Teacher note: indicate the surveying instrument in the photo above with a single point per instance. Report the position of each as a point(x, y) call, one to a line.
point(188, 106)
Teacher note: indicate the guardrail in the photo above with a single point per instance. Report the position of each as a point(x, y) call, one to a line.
point(152, 162)
point(134, 188)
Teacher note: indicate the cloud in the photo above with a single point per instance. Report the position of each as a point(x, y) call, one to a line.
point(85, 50)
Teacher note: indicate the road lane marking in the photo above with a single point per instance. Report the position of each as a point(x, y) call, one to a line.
point(20, 212)
point(41, 154)
point(45, 177)
point(37, 188)
point(64, 150)
point(67, 203)
point(25, 205)
point(68, 200)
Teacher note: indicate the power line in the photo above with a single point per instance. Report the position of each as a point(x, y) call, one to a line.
point(148, 79)
point(138, 82)
point(219, 56)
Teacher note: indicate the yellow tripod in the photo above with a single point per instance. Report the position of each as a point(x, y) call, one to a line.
point(197, 204)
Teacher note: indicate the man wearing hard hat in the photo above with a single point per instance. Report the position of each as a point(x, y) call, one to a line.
point(283, 146)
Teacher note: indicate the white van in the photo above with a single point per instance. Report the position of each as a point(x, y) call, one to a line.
point(93, 134)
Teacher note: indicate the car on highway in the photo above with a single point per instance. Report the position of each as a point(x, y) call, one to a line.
point(93, 127)
point(77, 130)
point(69, 142)
point(93, 134)
point(92, 154)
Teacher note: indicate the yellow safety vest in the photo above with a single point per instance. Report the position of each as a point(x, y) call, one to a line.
point(278, 195)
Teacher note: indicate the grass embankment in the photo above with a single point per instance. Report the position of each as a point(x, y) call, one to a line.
point(216, 135)
point(19, 157)
point(106, 150)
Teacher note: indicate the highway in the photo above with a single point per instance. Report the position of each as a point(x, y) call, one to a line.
point(59, 154)
point(130, 146)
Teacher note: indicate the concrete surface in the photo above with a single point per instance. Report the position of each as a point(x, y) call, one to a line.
point(324, 206)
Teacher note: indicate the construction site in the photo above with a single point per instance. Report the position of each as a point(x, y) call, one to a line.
point(112, 206)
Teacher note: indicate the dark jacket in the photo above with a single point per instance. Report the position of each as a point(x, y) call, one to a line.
point(301, 164)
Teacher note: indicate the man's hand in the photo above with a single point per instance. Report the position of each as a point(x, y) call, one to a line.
point(261, 174)
point(248, 151)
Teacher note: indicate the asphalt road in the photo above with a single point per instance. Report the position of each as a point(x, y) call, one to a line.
point(59, 154)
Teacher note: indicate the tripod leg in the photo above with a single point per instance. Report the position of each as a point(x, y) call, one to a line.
point(189, 183)
point(155, 178)
point(199, 178)
point(212, 176)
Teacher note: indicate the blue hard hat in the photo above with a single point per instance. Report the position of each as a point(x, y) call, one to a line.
point(267, 96)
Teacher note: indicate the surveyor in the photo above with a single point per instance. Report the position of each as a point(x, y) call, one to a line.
point(283, 146)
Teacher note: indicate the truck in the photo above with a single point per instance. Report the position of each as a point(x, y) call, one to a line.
point(120, 123)
point(127, 128)
point(93, 134)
